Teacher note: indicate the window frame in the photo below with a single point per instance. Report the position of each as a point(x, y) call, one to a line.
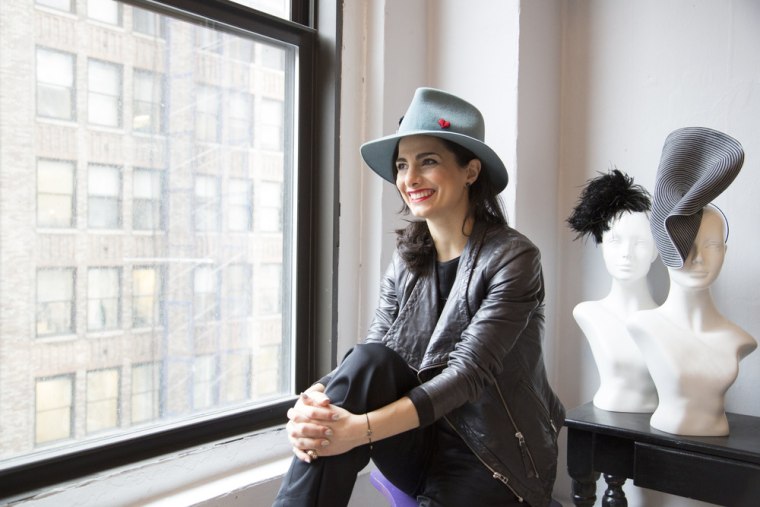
point(46, 468)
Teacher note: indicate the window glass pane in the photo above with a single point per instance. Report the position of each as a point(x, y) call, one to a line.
point(104, 93)
point(54, 405)
point(279, 8)
point(141, 243)
point(104, 201)
point(102, 400)
point(146, 296)
point(148, 23)
point(55, 301)
point(55, 193)
point(55, 84)
point(145, 393)
point(103, 298)
point(148, 104)
point(240, 199)
point(64, 5)
point(147, 199)
point(106, 11)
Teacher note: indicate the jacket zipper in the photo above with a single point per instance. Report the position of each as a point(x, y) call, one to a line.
point(496, 475)
point(528, 462)
point(541, 405)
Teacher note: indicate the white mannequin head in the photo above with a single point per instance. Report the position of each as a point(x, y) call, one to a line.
point(705, 260)
point(628, 246)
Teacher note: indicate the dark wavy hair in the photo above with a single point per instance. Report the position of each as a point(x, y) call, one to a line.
point(414, 242)
point(606, 197)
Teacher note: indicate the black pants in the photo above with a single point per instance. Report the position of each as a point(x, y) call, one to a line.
point(432, 464)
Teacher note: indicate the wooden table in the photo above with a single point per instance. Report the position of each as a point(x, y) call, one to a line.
point(720, 470)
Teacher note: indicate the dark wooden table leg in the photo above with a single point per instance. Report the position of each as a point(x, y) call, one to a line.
point(614, 496)
point(584, 490)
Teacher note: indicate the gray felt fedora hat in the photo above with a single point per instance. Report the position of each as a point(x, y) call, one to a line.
point(697, 165)
point(440, 114)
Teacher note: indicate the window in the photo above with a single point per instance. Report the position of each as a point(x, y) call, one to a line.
point(146, 296)
point(54, 408)
point(269, 298)
point(55, 84)
point(239, 117)
point(145, 404)
point(55, 193)
point(269, 200)
point(103, 299)
point(207, 203)
point(102, 400)
point(240, 199)
point(104, 197)
point(55, 301)
point(205, 293)
point(148, 23)
point(207, 114)
point(147, 193)
point(238, 285)
point(62, 5)
point(106, 11)
point(148, 106)
point(104, 93)
point(204, 382)
point(128, 302)
point(271, 124)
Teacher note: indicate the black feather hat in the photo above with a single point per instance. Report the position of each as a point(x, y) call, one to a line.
point(606, 197)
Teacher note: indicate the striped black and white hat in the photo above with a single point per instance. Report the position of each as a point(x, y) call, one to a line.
point(696, 166)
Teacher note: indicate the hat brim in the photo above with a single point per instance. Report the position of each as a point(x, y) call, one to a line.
point(378, 155)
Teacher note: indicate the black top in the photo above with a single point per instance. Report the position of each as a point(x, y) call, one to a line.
point(447, 272)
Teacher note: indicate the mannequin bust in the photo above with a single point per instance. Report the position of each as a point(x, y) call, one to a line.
point(629, 250)
point(692, 351)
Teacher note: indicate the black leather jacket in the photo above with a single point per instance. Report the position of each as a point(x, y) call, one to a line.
point(481, 362)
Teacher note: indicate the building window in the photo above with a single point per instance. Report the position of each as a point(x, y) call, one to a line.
point(146, 296)
point(207, 203)
point(56, 88)
point(205, 293)
point(61, 5)
point(55, 193)
point(148, 105)
point(148, 23)
point(103, 197)
point(103, 299)
point(55, 301)
point(238, 288)
point(269, 206)
point(236, 374)
point(147, 193)
point(239, 119)
point(102, 400)
point(105, 11)
point(145, 393)
point(209, 40)
point(54, 409)
point(240, 200)
point(205, 382)
point(269, 294)
point(272, 57)
point(104, 93)
point(207, 107)
point(271, 123)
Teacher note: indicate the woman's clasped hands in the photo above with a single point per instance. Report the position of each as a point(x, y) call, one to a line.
point(317, 428)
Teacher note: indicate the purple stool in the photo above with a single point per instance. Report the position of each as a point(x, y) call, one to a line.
point(395, 497)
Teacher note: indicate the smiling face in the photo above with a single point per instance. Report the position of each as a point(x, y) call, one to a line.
point(628, 246)
point(705, 260)
point(431, 181)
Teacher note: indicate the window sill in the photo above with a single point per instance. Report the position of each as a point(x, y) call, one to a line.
point(188, 477)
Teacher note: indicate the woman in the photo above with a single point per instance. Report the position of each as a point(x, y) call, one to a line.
point(448, 395)
point(616, 213)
